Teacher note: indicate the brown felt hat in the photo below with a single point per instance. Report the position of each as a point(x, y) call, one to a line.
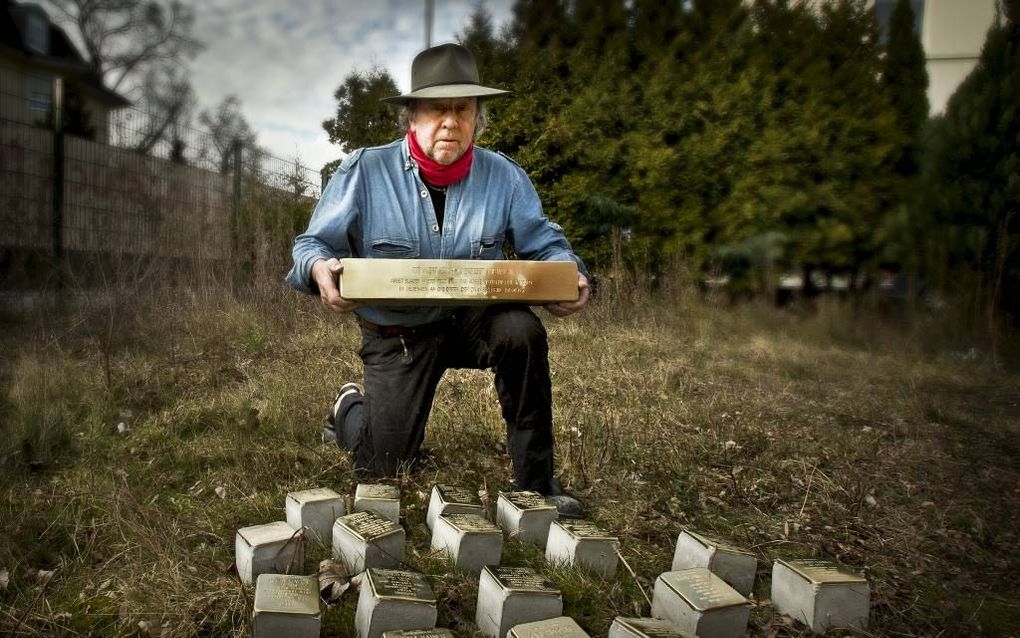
point(444, 71)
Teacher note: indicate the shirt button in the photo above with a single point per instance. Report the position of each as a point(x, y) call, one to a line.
point(435, 228)
point(424, 193)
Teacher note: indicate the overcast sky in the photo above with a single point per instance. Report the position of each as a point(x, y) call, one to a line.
point(284, 60)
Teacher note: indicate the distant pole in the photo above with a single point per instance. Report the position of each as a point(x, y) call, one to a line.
point(58, 186)
point(430, 9)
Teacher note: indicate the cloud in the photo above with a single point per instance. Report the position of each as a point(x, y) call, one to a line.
point(285, 60)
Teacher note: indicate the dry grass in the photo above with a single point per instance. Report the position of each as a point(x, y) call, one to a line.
point(825, 435)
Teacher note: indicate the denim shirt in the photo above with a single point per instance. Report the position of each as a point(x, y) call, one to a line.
point(376, 205)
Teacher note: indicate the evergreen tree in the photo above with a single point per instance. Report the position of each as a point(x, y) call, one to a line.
point(969, 204)
point(361, 118)
point(906, 80)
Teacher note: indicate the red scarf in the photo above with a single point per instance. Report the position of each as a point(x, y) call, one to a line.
point(435, 173)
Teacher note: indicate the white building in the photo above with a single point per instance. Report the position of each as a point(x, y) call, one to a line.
point(952, 34)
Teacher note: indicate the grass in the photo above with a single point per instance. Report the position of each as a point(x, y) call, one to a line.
point(829, 434)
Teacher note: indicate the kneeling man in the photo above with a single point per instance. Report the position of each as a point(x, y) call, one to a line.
point(434, 195)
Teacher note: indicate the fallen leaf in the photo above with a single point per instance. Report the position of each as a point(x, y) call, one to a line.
point(43, 575)
point(871, 501)
point(5, 579)
point(122, 428)
point(221, 491)
point(333, 580)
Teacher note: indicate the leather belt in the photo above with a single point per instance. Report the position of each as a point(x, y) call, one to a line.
point(405, 331)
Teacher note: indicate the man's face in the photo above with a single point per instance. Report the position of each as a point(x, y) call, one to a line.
point(445, 128)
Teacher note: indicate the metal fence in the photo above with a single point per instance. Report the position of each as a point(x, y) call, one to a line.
point(87, 194)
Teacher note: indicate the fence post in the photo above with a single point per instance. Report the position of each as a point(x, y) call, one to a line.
point(58, 188)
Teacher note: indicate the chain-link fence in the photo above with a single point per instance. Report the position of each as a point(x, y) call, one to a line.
point(90, 195)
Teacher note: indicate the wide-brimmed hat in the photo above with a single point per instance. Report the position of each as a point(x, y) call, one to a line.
point(445, 71)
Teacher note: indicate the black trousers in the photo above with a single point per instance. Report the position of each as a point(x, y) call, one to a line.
point(385, 428)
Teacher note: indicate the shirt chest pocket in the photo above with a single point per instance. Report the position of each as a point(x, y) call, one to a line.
point(490, 247)
point(393, 248)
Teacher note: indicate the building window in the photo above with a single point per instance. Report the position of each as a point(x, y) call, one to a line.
point(883, 13)
point(37, 33)
point(39, 92)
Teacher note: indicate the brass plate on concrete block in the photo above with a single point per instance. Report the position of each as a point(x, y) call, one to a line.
point(522, 579)
point(454, 494)
point(369, 526)
point(702, 589)
point(822, 572)
point(471, 524)
point(585, 530)
point(283, 594)
point(457, 281)
point(393, 583)
point(527, 500)
point(709, 542)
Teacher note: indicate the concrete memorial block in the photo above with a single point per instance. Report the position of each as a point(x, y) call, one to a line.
point(735, 566)
point(273, 548)
point(525, 515)
point(820, 594)
point(457, 281)
point(315, 509)
point(470, 541)
point(438, 632)
point(392, 599)
point(510, 596)
point(698, 602)
point(382, 499)
point(449, 499)
point(584, 544)
point(561, 627)
point(644, 628)
point(286, 606)
point(365, 539)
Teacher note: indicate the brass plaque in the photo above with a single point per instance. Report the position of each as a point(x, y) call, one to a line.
point(585, 530)
point(457, 281)
point(283, 594)
point(711, 543)
point(369, 526)
point(394, 583)
point(471, 523)
point(522, 579)
point(455, 495)
point(702, 589)
point(822, 572)
point(377, 492)
point(649, 628)
point(314, 495)
point(527, 500)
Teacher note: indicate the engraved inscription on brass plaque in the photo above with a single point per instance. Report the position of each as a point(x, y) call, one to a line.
point(650, 627)
point(279, 593)
point(702, 590)
point(712, 543)
point(821, 572)
point(394, 583)
point(586, 530)
point(471, 523)
point(457, 281)
point(378, 491)
point(527, 500)
point(522, 579)
point(369, 526)
point(458, 495)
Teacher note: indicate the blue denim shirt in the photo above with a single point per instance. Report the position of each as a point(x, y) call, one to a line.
point(376, 205)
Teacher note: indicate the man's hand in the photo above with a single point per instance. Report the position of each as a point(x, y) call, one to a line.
point(565, 308)
point(326, 274)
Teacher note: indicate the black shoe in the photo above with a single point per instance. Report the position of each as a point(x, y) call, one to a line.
point(566, 506)
point(346, 391)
